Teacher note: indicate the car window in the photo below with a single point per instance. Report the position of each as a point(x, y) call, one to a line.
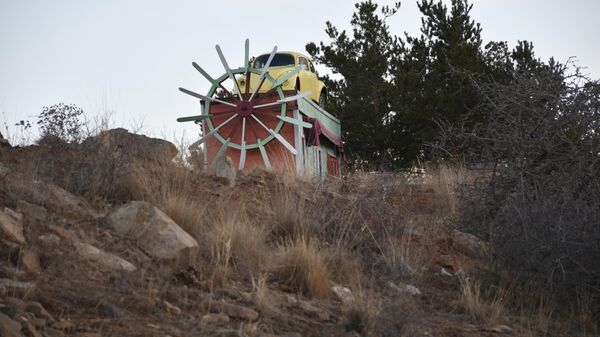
point(278, 60)
point(312, 69)
point(303, 60)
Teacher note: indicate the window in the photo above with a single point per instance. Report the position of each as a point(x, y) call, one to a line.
point(303, 62)
point(279, 60)
point(312, 69)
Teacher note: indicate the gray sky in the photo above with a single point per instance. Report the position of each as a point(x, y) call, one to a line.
point(130, 56)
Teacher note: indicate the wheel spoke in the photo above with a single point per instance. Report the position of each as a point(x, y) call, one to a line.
point(193, 118)
point(264, 155)
point(228, 70)
point(220, 153)
point(247, 55)
point(204, 73)
point(277, 136)
point(206, 98)
point(243, 145)
point(263, 74)
point(295, 121)
point(215, 130)
point(287, 99)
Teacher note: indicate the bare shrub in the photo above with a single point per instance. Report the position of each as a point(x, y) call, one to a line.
point(538, 202)
point(63, 121)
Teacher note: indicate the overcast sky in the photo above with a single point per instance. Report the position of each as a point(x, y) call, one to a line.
point(131, 56)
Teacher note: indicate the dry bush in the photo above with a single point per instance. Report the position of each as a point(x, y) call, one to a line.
point(539, 204)
point(479, 306)
point(301, 263)
point(362, 312)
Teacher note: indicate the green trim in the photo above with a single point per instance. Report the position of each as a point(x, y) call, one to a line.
point(264, 155)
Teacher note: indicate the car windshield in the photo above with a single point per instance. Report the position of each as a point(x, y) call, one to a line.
point(278, 60)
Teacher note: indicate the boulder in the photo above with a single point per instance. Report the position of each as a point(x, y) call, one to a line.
point(232, 310)
point(158, 235)
point(8, 327)
point(11, 227)
point(102, 258)
point(31, 211)
point(469, 244)
point(120, 143)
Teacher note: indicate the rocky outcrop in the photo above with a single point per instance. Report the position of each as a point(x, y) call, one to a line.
point(158, 235)
point(120, 143)
point(102, 258)
point(11, 227)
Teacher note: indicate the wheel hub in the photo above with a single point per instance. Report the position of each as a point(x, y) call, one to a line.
point(244, 108)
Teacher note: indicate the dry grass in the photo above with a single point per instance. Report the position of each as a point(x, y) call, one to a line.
point(261, 295)
point(445, 180)
point(487, 310)
point(237, 243)
point(362, 311)
point(301, 263)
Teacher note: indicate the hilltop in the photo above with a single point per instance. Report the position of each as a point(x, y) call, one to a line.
point(121, 236)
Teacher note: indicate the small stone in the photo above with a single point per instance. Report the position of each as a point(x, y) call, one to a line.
point(31, 211)
point(444, 272)
point(233, 310)
point(172, 309)
point(343, 294)
point(214, 319)
point(8, 327)
point(30, 260)
point(49, 239)
point(11, 229)
point(63, 325)
point(405, 289)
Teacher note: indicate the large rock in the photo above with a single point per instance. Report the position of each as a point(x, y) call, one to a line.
point(224, 169)
point(156, 233)
point(8, 327)
point(119, 143)
point(11, 227)
point(50, 196)
point(469, 244)
point(102, 258)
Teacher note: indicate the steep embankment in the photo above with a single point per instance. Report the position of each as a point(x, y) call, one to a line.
point(112, 237)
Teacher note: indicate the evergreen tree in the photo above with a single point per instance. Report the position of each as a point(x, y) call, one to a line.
point(361, 98)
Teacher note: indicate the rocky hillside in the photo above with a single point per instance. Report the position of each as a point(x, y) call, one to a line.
point(119, 236)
